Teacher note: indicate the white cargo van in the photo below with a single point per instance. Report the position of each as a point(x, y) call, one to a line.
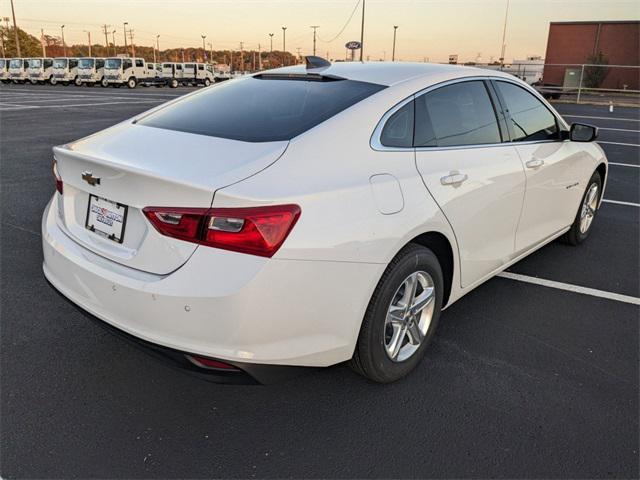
point(65, 71)
point(91, 71)
point(4, 70)
point(18, 69)
point(187, 74)
point(40, 70)
point(125, 71)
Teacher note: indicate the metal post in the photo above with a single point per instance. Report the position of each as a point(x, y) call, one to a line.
point(271, 40)
point(15, 29)
point(284, 43)
point(504, 35)
point(64, 45)
point(158, 45)
point(44, 50)
point(204, 49)
point(259, 57)
point(113, 37)
point(315, 27)
point(89, 34)
point(393, 52)
point(362, 32)
point(580, 84)
point(125, 36)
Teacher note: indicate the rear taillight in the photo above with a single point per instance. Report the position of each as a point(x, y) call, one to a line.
point(56, 175)
point(254, 230)
point(209, 363)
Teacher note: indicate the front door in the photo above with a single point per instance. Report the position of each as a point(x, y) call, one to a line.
point(477, 180)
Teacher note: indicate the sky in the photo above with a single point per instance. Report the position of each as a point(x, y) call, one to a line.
point(428, 30)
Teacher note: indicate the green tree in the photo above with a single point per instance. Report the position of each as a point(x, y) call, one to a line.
point(595, 74)
point(29, 45)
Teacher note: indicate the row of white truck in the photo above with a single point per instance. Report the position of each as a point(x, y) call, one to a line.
point(114, 71)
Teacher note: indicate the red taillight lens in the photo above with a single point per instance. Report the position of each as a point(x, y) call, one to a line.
point(205, 362)
point(56, 175)
point(254, 230)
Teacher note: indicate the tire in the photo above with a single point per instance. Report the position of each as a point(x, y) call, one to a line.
point(77, 82)
point(588, 207)
point(371, 357)
point(53, 81)
point(132, 83)
point(207, 82)
point(104, 83)
point(173, 83)
point(33, 82)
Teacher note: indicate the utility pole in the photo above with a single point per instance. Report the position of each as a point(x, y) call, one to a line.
point(6, 22)
point(15, 30)
point(393, 52)
point(504, 35)
point(259, 58)
point(4, 53)
point(362, 32)
point(106, 38)
point(133, 48)
point(315, 27)
point(284, 43)
point(124, 26)
point(271, 39)
point(158, 45)
point(211, 52)
point(298, 49)
point(89, 34)
point(204, 49)
point(113, 36)
point(44, 49)
point(242, 56)
point(182, 50)
point(64, 45)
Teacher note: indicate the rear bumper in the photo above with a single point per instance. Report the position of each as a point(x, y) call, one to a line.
point(234, 307)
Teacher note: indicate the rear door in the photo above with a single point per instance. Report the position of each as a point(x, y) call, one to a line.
point(553, 167)
point(477, 180)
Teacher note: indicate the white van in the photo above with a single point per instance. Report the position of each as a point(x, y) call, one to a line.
point(91, 71)
point(187, 74)
point(65, 71)
point(4, 70)
point(18, 69)
point(40, 70)
point(125, 71)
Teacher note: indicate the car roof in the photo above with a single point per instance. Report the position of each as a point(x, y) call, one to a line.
point(391, 73)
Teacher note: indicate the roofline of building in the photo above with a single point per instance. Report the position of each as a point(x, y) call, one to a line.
point(594, 22)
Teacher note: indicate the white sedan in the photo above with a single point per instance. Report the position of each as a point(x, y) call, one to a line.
point(315, 214)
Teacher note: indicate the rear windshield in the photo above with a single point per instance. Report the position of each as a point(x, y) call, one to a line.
point(261, 110)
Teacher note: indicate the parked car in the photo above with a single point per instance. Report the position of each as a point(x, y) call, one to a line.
point(65, 71)
point(91, 71)
point(18, 70)
point(307, 216)
point(4, 70)
point(40, 70)
point(125, 71)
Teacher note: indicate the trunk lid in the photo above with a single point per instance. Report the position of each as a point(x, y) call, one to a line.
point(140, 166)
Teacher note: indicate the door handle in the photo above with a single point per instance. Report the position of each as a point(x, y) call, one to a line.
point(535, 163)
point(454, 178)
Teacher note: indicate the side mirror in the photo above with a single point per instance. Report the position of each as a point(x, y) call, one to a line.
point(581, 132)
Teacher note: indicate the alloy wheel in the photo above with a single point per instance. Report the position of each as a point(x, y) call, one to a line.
point(588, 210)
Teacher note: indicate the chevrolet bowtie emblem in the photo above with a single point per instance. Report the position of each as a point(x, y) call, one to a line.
point(90, 179)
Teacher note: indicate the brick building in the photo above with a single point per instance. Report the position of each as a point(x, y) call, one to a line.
point(574, 42)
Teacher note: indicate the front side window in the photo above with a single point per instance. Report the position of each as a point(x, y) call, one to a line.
point(127, 64)
point(48, 63)
point(179, 66)
point(73, 63)
point(398, 131)
point(200, 67)
point(529, 119)
point(456, 115)
point(139, 63)
point(261, 109)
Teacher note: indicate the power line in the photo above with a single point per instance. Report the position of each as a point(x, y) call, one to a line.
point(344, 27)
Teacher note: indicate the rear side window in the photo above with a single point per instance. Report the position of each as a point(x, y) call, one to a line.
point(529, 120)
point(261, 110)
point(456, 115)
point(139, 63)
point(398, 131)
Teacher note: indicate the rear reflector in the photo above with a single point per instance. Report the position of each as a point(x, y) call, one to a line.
point(204, 362)
point(56, 175)
point(253, 230)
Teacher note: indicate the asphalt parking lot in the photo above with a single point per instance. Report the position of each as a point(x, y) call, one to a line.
point(522, 380)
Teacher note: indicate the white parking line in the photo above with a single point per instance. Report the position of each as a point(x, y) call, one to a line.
point(96, 92)
point(28, 107)
point(619, 143)
point(618, 202)
point(624, 165)
point(571, 288)
point(618, 129)
point(605, 118)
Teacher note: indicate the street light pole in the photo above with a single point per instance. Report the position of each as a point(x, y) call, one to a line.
point(284, 43)
point(204, 49)
point(393, 52)
point(44, 49)
point(89, 34)
point(15, 30)
point(315, 27)
point(362, 32)
point(271, 40)
point(124, 26)
point(158, 45)
point(64, 45)
point(504, 35)
point(113, 37)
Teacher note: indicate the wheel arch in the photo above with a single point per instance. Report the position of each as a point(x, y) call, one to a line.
point(440, 245)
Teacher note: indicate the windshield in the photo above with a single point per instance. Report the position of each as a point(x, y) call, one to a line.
point(112, 63)
point(35, 63)
point(85, 63)
point(60, 63)
point(15, 63)
point(260, 109)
